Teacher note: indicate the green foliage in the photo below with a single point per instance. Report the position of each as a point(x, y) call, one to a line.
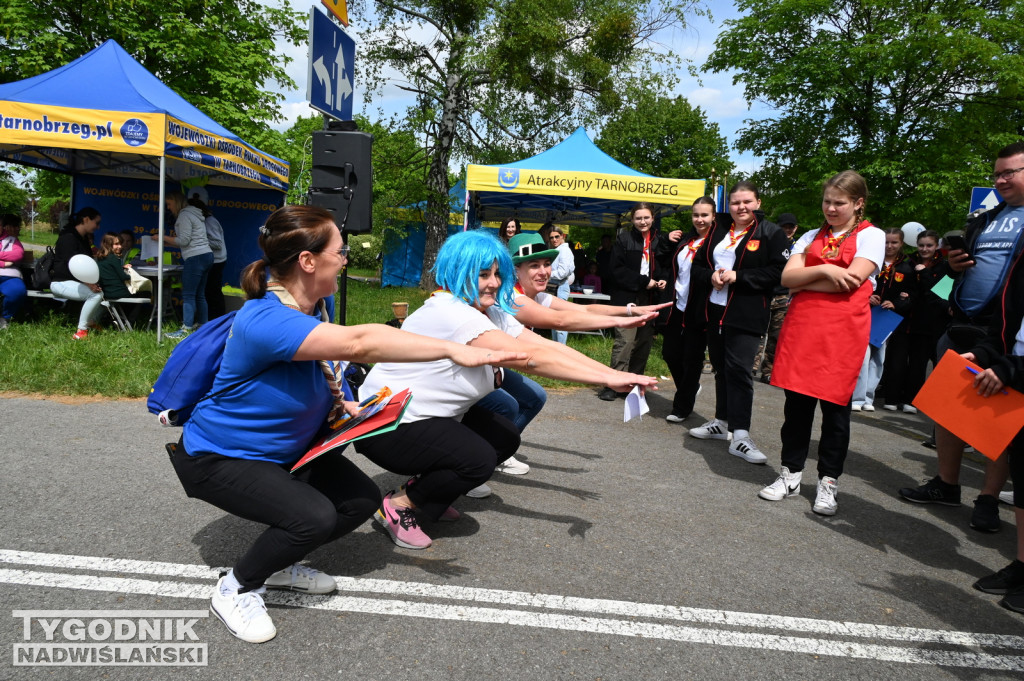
point(525, 72)
point(918, 96)
point(666, 137)
point(220, 55)
point(12, 197)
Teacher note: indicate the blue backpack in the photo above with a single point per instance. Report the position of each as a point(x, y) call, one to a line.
point(187, 377)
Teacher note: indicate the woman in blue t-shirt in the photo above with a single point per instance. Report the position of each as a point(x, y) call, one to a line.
point(237, 448)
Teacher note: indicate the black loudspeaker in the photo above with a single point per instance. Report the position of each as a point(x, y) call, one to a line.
point(343, 178)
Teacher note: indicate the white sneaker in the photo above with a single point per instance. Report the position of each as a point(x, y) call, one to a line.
point(825, 501)
point(480, 492)
point(244, 615)
point(513, 466)
point(909, 409)
point(856, 407)
point(1006, 497)
point(675, 418)
point(868, 407)
point(786, 485)
point(889, 407)
point(747, 450)
point(712, 430)
point(301, 578)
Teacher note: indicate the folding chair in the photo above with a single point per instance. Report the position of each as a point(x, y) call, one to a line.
point(118, 315)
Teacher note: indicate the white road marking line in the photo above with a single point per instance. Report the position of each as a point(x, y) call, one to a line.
point(562, 622)
point(553, 602)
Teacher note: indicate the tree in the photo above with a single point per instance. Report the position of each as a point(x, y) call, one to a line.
point(522, 71)
point(220, 55)
point(12, 197)
point(917, 96)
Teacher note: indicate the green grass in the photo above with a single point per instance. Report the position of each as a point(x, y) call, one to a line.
point(40, 357)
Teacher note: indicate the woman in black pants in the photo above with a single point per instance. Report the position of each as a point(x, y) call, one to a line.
point(276, 387)
point(445, 442)
point(685, 333)
point(929, 318)
point(741, 260)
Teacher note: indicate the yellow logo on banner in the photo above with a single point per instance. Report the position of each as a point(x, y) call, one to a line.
point(339, 9)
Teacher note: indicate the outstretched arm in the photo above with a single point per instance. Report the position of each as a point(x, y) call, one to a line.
point(371, 343)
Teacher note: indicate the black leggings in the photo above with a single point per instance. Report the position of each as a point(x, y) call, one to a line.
point(451, 457)
point(325, 500)
point(683, 351)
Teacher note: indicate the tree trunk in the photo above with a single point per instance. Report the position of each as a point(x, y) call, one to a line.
point(438, 207)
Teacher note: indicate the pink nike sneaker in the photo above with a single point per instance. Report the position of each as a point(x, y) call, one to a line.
point(401, 524)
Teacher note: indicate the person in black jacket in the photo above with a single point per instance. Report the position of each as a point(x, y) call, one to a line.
point(929, 316)
point(76, 239)
point(742, 260)
point(637, 283)
point(1002, 356)
point(685, 336)
point(994, 239)
point(894, 290)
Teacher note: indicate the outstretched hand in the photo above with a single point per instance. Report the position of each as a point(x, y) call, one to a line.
point(636, 320)
point(623, 382)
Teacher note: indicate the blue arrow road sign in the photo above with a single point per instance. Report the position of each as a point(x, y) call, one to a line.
point(332, 56)
point(984, 197)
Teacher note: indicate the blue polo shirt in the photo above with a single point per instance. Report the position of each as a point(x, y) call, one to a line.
point(274, 416)
point(993, 256)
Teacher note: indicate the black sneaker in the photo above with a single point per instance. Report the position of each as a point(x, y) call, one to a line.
point(1014, 600)
point(986, 514)
point(929, 443)
point(608, 395)
point(935, 491)
point(1003, 582)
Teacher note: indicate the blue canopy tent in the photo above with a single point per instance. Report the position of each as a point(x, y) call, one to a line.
point(104, 114)
point(573, 183)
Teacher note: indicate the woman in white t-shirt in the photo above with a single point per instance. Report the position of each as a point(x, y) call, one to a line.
point(446, 441)
point(824, 337)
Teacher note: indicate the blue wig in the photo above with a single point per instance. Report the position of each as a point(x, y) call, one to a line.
point(461, 259)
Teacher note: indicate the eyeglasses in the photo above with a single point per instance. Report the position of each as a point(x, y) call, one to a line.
point(342, 252)
point(1005, 175)
point(556, 235)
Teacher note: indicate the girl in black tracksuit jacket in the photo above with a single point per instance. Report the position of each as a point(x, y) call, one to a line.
point(897, 284)
point(685, 332)
point(742, 260)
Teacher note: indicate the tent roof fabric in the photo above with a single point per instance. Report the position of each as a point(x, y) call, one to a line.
point(573, 182)
point(123, 117)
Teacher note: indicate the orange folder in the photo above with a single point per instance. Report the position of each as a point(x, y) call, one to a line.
point(950, 399)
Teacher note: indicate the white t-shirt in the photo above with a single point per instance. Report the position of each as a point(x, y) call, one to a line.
point(543, 298)
point(684, 261)
point(870, 245)
point(724, 257)
point(442, 389)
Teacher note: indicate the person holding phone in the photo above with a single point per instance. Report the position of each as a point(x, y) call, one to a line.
point(994, 240)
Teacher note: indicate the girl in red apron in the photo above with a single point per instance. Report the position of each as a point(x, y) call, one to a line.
point(825, 335)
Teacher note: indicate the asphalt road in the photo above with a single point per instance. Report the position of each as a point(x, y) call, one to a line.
point(629, 551)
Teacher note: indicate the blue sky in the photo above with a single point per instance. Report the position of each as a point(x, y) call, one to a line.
point(722, 102)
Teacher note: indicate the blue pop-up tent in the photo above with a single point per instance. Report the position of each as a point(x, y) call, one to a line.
point(104, 114)
point(574, 183)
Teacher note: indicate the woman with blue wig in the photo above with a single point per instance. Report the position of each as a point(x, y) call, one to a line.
point(446, 442)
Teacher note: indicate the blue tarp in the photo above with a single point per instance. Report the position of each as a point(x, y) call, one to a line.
point(403, 258)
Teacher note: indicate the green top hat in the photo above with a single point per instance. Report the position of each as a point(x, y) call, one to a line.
point(529, 246)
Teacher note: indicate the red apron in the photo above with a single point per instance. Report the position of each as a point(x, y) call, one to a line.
point(825, 335)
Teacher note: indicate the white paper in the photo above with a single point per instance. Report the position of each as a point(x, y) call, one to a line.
point(636, 405)
point(149, 248)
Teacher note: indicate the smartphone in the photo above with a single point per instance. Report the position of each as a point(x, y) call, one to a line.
point(957, 243)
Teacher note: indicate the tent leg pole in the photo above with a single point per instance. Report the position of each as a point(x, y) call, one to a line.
point(160, 255)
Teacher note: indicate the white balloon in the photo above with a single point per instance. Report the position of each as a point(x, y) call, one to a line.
point(910, 232)
point(84, 269)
